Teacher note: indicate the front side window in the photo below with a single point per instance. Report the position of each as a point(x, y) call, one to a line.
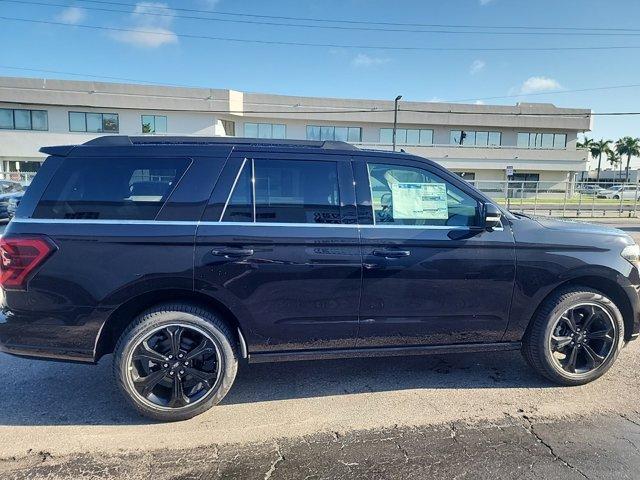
point(21, 119)
point(112, 189)
point(413, 196)
point(285, 191)
point(154, 124)
point(93, 122)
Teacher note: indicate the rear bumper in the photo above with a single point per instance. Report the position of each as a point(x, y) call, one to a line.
point(46, 339)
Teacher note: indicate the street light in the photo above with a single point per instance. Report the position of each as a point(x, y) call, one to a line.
point(395, 120)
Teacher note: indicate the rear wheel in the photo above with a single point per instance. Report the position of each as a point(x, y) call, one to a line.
point(575, 337)
point(175, 362)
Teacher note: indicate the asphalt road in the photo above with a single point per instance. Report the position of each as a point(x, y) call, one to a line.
point(453, 416)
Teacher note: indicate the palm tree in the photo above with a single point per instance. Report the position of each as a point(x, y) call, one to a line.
point(630, 147)
point(597, 149)
point(614, 159)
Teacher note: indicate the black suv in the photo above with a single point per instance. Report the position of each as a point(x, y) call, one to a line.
point(183, 256)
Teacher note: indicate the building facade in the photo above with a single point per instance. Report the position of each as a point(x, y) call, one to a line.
point(537, 142)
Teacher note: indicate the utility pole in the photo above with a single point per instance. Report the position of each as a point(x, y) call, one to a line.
point(395, 120)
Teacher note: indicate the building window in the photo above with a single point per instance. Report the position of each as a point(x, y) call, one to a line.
point(154, 124)
point(265, 130)
point(93, 122)
point(475, 139)
point(20, 119)
point(407, 136)
point(542, 140)
point(330, 132)
point(229, 127)
point(468, 176)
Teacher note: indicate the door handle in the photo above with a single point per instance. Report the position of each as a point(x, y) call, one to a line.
point(389, 253)
point(232, 252)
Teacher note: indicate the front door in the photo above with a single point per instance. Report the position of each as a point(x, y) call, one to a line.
point(432, 275)
point(279, 247)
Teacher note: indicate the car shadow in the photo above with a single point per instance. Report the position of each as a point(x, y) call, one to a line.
point(50, 393)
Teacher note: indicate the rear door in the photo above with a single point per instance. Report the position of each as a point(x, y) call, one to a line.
point(431, 274)
point(279, 247)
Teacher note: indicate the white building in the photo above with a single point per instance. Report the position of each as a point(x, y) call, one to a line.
point(478, 141)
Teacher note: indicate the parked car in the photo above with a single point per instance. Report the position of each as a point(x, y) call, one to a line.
point(8, 190)
point(589, 189)
point(12, 204)
point(185, 256)
point(626, 192)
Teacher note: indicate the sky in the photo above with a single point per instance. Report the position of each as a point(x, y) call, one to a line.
point(351, 61)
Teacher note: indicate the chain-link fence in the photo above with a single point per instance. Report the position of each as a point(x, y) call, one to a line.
point(564, 199)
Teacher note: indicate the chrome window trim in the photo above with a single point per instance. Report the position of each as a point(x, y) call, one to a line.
point(249, 224)
point(233, 187)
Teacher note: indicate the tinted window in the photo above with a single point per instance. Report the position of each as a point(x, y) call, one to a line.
point(240, 206)
point(114, 188)
point(296, 192)
point(413, 196)
point(286, 192)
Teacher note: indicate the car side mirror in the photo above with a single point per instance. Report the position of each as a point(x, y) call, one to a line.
point(492, 216)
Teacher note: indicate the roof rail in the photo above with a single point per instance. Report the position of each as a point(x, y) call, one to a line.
point(127, 141)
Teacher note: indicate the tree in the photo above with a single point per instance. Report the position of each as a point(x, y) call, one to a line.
point(597, 149)
point(614, 159)
point(630, 147)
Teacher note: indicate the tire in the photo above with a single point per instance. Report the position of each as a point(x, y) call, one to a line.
point(616, 197)
point(551, 327)
point(144, 359)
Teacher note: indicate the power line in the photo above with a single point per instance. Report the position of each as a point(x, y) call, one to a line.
point(363, 22)
point(324, 45)
point(326, 27)
point(137, 80)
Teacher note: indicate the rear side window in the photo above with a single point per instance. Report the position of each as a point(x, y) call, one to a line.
point(110, 188)
point(285, 191)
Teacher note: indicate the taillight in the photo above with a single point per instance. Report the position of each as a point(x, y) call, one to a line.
point(21, 256)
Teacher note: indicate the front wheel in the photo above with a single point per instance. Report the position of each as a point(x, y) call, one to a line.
point(175, 362)
point(575, 336)
point(616, 197)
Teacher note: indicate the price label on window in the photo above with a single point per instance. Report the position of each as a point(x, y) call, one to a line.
point(419, 201)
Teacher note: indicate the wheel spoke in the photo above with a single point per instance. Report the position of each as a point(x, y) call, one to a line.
point(178, 398)
point(601, 335)
point(572, 360)
point(175, 336)
point(559, 342)
point(202, 376)
point(569, 320)
point(145, 352)
point(202, 349)
point(592, 315)
point(596, 360)
point(149, 382)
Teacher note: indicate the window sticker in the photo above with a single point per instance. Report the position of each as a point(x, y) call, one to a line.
point(419, 200)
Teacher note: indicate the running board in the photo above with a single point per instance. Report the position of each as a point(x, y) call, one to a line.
point(381, 352)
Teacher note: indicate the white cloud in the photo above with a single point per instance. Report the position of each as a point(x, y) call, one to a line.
point(364, 60)
point(150, 31)
point(71, 15)
point(477, 66)
point(539, 84)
